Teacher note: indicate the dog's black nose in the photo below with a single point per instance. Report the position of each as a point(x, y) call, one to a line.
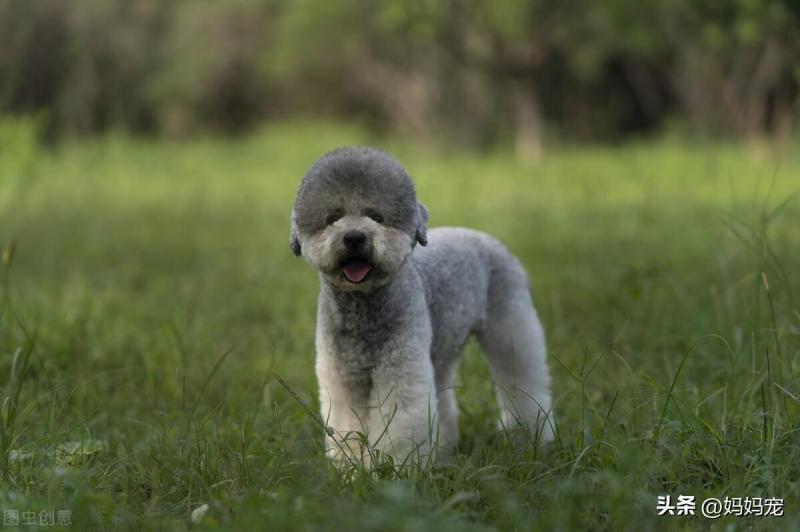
point(354, 239)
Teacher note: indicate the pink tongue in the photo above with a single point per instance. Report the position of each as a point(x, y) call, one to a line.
point(356, 271)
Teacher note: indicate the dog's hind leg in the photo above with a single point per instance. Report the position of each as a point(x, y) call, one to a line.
point(447, 436)
point(513, 339)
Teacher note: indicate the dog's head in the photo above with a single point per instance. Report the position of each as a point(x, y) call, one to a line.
point(356, 218)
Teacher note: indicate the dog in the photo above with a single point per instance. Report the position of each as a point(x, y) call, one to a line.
point(397, 304)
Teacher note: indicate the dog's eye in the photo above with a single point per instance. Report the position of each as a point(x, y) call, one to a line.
point(332, 219)
point(375, 216)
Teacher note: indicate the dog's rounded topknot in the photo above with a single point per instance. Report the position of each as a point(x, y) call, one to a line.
point(363, 167)
point(354, 178)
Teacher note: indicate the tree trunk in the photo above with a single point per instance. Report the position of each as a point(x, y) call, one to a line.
point(527, 123)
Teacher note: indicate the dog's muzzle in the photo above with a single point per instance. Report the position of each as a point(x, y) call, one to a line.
point(355, 267)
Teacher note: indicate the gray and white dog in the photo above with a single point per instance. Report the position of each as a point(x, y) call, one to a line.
point(393, 318)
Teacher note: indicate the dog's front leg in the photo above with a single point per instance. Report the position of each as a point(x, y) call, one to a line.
point(402, 419)
point(345, 419)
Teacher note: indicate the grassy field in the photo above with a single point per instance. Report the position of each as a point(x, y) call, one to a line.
point(152, 305)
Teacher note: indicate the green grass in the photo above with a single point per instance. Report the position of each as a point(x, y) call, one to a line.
point(152, 305)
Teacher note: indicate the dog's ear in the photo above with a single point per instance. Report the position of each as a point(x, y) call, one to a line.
point(422, 224)
point(294, 241)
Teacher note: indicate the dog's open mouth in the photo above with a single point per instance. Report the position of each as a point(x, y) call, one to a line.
point(356, 270)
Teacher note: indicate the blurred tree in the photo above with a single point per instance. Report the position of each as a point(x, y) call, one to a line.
point(211, 72)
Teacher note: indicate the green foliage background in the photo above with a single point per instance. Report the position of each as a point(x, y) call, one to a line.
point(462, 70)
